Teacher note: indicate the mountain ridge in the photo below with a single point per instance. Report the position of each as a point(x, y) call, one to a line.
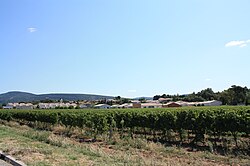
point(18, 96)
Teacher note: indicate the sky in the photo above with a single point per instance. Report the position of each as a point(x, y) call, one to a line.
point(128, 48)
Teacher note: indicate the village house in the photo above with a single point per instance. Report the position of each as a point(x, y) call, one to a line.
point(102, 106)
point(115, 106)
point(171, 104)
point(12, 105)
point(211, 103)
point(151, 105)
point(126, 105)
point(56, 105)
point(183, 103)
point(7, 107)
point(85, 105)
point(136, 104)
point(19, 106)
point(27, 106)
point(146, 105)
point(164, 100)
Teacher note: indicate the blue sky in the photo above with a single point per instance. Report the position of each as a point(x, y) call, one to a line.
point(128, 48)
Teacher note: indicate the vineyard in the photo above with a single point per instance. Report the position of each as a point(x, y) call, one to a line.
point(192, 125)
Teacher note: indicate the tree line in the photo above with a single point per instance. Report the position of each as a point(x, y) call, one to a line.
point(235, 95)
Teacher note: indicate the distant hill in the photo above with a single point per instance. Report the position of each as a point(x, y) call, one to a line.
point(147, 98)
point(17, 96)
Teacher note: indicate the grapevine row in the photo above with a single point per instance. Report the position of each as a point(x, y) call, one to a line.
point(197, 120)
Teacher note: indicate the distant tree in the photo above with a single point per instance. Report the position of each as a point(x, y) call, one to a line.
point(164, 96)
point(156, 97)
point(247, 102)
point(125, 100)
point(177, 97)
point(142, 100)
point(110, 102)
point(224, 98)
point(118, 98)
point(193, 98)
point(240, 94)
point(102, 101)
point(47, 101)
point(121, 100)
point(35, 102)
point(207, 94)
point(234, 95)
